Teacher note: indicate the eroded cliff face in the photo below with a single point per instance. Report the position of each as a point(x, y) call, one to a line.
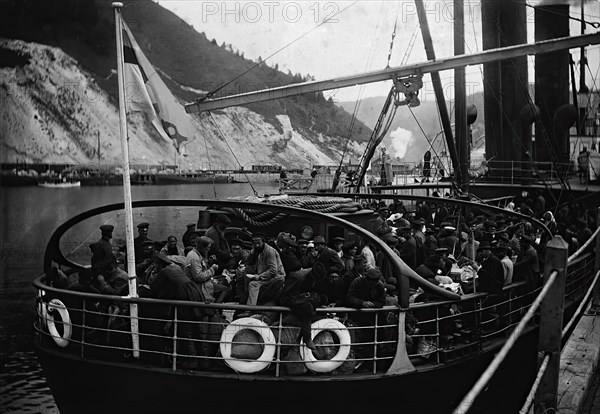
point(52, 111)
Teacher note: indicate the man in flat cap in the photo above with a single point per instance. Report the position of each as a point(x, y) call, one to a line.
point(102, 250)
point(141, 238)
point(220, 247)
point(527, 266)
point(337, 244)
point(185, 239)
point(331, 260)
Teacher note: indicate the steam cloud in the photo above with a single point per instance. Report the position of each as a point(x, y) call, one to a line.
point(401, 139)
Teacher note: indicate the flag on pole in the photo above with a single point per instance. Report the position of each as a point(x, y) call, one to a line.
point(145, 91)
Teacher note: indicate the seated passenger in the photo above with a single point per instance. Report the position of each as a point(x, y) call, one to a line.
point(269, 268)
point(171, 248)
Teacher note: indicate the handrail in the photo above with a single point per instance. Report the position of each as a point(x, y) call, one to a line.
point(443, 201)
point(529, 401)
point(585, 245)
point(468, 399)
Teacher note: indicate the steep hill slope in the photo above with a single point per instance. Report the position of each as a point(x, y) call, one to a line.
point(295, 131)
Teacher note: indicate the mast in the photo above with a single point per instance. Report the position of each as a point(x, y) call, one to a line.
point(133, 310)
point(583, 89)
point(460, 100)
point(437, 88)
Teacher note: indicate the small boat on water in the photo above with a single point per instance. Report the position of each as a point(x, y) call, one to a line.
point(59, 183)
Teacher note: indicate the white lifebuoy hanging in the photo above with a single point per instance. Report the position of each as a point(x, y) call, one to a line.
point(344, 341)
point(248, 366)
point(57, 305)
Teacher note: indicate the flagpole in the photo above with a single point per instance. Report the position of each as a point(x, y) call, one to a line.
point(133, 309)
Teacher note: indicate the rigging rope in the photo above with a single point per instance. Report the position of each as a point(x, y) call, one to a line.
point(209, 167)
point(260, 218)
point(358, 101)
point(210, 94)
point(228, 146)
point(393, 36)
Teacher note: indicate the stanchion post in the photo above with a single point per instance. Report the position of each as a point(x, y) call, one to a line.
point(551, 320)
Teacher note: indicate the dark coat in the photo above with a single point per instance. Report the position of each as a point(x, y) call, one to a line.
point(101, 253)
point(491, 275)
point(361, 291)
point(408, 252)
point(332, 261)
point(220, 247)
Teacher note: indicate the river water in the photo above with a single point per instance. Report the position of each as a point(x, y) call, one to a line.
point(28, 218)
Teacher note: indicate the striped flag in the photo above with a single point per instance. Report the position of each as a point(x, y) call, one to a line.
point(146, 92)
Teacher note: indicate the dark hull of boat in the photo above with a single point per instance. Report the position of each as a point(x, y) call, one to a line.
point(11, 180)
point(100, 387)
point(163, 179)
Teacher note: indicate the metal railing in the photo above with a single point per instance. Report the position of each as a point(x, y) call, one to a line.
point(577, 269)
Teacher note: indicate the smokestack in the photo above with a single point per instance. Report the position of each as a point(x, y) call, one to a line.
point(506, 82)
point(551, 77)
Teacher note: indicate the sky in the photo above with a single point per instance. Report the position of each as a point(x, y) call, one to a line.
point(337, 38)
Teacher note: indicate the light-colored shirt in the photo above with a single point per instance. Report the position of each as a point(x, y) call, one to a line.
point(508, 267)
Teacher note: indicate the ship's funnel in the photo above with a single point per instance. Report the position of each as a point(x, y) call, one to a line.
point(551, 77)
point(506, 81)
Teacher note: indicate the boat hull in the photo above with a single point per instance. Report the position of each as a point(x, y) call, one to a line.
point(167, 179)
point(73, 184)
point(81, 385)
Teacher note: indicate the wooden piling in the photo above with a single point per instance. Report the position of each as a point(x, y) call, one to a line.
point(551, 321)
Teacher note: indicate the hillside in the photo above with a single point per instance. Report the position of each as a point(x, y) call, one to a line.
point(405, 139)
point(295, 131)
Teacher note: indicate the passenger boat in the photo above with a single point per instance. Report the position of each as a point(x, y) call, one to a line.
point(410, 356)
point(59, 183)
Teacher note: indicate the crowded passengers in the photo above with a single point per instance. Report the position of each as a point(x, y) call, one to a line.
point(464, 251)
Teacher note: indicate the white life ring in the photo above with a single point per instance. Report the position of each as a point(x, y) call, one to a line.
point(57, 305)
point(344, 340)
point(248, 366)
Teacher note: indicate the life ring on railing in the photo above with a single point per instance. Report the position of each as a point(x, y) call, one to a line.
point(57, 305)
point(344, 343)
point(248, 366)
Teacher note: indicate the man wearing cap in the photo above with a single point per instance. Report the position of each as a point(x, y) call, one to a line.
point(449, 239)
point(268, 267)
point(185, 239)
point(338, 243)
point(357, 271)
point(507, 264)
point(102, 250)
point(527, 266)
point(491, 273)
point(220, 247)
point(366, 291)
point(408, 247)
point(328, 257)
point(141, 238)
point(384, 263)
point(419, 236)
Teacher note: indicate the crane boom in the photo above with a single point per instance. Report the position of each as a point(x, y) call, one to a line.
point(437, 65)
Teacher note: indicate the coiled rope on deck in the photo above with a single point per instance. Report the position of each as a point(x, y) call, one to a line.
point(260, 218)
